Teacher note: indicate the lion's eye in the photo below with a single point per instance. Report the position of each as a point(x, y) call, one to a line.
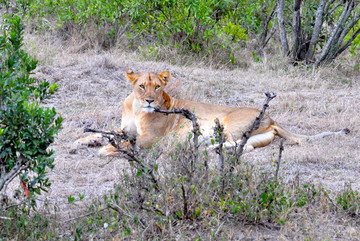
point(142, 87)
point(157, 87)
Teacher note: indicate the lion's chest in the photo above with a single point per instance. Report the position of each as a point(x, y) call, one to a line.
point(137, 125)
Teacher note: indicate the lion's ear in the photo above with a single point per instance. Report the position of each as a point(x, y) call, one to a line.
point(165, 76)
point(132, 77)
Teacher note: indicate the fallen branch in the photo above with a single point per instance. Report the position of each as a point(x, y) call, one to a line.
point(255, 125)
point(123, 135)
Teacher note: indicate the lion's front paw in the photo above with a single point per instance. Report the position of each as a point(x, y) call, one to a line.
point(93, 140)
point(108, 150)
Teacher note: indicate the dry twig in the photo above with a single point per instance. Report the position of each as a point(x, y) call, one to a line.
point(196, 130)
point(130, 154)
point(185, 211)
point(220, 138)
point(85, 215)
point(255, 125)
point(281, 148)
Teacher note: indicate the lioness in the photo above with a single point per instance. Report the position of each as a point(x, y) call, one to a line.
point(139, 118)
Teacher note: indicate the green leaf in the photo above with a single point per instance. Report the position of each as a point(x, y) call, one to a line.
point(71, 199)
point(81, 196)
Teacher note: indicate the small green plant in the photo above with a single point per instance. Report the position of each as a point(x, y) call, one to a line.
point(349, 201)
point(24, 224)
point(26, 128)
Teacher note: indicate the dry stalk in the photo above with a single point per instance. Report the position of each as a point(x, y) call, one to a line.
point(281, 149)
point(85, 215)
point(220, 138)
point(196, 130)
point(185, 203)
point(254, 126)
point(130, 154)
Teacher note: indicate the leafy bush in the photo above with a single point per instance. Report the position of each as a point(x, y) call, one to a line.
point(349, 201)
point(26, 128)
point(209, 29)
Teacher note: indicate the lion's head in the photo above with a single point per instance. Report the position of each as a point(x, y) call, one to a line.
point(149, 88)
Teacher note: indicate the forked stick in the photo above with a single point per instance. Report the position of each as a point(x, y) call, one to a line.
point(247, 134)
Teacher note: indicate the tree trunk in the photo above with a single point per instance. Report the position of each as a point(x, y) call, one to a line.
point(284, 42)
point(297, 31)
point(330, 43)
point(316, 31)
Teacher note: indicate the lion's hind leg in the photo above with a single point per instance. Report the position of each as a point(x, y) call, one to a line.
point(258, 140)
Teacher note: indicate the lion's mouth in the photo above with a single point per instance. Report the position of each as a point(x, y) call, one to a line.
point(148, 109)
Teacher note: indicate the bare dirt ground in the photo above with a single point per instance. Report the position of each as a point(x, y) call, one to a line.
point(92, 87)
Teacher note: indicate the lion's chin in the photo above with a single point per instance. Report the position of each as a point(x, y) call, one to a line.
point(148, 109)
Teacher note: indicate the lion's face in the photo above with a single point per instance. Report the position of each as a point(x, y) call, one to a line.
point(148, 88)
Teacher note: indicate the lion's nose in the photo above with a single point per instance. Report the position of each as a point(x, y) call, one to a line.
point(149, 101)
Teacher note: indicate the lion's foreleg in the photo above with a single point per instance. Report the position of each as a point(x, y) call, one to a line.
point(92, 140)
point(145, 141)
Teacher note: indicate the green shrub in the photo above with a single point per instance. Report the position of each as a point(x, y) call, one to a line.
point(349, 201)
point(26, 128)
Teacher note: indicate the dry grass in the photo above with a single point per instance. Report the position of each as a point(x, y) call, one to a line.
point(93, 87)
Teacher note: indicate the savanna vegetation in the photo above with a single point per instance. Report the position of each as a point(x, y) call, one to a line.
point(313, 32)
point(174, 190)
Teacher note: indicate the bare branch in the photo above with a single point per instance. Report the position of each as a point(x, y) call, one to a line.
point(329, 44)
point(265, 37)
point(348, 27)
point(85, 215)
point(347, 44)
point(255, 125)
point(220, 138)
point(334, 7)
point(196, 130)
point(115, 139)
point(152, 209)
point(272, 32)
point(120, 135)
point(337, 49)
point(281, 149)
point(21, 164)
point(185, 210)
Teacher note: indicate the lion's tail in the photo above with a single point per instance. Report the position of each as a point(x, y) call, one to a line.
point(299, 139)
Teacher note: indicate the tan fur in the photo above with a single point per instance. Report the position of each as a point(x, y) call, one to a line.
point(139, 119)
